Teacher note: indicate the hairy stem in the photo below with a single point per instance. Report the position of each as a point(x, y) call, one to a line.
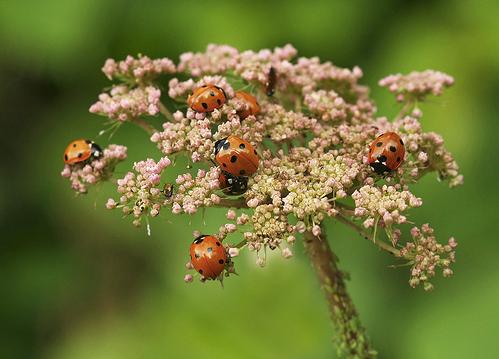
point(350, 336)
point(165, 112)
point(145, 126)
point(382, 245)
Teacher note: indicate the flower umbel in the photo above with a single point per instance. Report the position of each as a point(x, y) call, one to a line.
point(311, 128)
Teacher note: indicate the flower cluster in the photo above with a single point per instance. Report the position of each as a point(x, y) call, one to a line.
point(417, 85)
point(125, 104)
point(196, 192)
point(96, 170)
point(137, 69)
point(384, 203)
point(327, 104)
point(312, 133)
point(139, 192)
point(427, 255)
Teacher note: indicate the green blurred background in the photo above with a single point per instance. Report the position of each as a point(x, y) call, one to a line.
point(77, 281)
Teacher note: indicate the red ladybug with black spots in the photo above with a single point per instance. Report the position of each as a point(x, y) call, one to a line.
point(79, 151)
point(208, 256)
point(386, 153)
point(250, 102)
point(236, 156)
point(232, 185)
point(207, 98)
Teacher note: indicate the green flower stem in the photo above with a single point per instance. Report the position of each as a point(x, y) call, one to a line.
point(165, 111)
point(350, 336)
point(144, 125)
point(382, 245)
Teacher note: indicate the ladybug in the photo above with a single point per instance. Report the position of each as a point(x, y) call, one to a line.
point(80, 151)
point(271, 82)
point(249, 101)
point(386, 153)
point(207, 98)
point(208, 256)
point(236, 156)
point(232, 185)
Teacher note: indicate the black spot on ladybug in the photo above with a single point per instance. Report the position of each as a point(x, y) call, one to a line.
point(221, 261)
point(226, 145)
point(224, 164)
point(398, 159)
point(74, 144)
point(382, 158)
point(212, 93)
point(218, 101)
point(80, 154)
point(204, 86)
point(233, 159)
point(218, 244)
point(242, 146)
point(393, 148)
point(401, 142)
point(242, 172)
point(379, 144)
point(66, 157)
point(205, 105)
point(200, 271)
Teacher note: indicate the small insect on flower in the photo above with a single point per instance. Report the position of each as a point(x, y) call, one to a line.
point(207, 98)
point(271, 82)
point(236, 156)
point(167, 190)
point(208, 256)
point(81, 150)
point(232, 185)
point(386, 153)
point(250, 102)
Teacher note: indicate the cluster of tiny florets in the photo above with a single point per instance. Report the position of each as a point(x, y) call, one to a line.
point(139, 191)
point(125, 104)
point(195, 192)
point(386, 203)
point(417, 85)
point(327, 104)
point(312, 134)
point(137, 69)
point(96, 170)
point(427, 255)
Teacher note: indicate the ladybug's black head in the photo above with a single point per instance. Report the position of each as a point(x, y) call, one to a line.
point(219, 144)
point(96, 150)
point(199, 239)
point(380, 168)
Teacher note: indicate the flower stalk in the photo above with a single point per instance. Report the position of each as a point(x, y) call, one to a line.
point(350, 335)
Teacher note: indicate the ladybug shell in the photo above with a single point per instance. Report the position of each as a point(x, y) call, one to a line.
point(236, 156)
point(208, 256)
point(386, 153)
point(207, 98)
point(80, 151)
point(252, 106)
point(232, 185)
